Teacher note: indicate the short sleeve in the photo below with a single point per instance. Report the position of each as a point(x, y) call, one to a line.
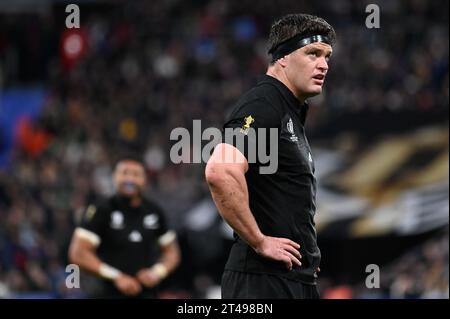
point(164, 233)
point(252, 128)
point(93, 224)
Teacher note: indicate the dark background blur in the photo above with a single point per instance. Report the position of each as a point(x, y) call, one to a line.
point(73, 101)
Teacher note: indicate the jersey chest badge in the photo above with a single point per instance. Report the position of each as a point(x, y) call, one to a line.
point(151, 221)
point(135, 236)
point(117, 220)
point(90, 212)
point(247, 122)
point(290, 129)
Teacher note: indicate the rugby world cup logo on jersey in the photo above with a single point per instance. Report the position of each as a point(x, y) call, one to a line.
point(117, 221)
point(290, 128)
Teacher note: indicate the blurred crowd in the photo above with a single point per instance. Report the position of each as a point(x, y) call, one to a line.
point(420, 273)
point(152, 66)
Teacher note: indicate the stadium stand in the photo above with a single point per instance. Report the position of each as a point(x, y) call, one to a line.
point(379, 134)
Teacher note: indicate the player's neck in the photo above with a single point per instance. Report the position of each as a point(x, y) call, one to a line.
point(133, 202)
point(278, 74)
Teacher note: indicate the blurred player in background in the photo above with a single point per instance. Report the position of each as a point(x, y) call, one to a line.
point(273, 214)
point(125, 240)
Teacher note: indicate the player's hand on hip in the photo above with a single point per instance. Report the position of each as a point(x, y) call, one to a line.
point(127, 285)
point(281, 249)
point(148, 278)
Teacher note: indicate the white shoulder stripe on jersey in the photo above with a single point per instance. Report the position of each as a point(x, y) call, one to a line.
point(167, 238)
point(90, 236)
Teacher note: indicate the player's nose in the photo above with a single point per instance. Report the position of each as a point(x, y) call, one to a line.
point(322, 65)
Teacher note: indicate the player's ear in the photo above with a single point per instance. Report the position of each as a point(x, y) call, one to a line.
point(283, 61)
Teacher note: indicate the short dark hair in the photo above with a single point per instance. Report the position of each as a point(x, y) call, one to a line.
point(305, 24)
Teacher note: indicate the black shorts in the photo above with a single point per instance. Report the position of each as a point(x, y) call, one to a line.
point(240, 285)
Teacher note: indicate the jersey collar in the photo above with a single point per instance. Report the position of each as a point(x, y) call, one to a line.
point(300, 109)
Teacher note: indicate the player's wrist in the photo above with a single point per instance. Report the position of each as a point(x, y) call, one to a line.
point(108, 272)
point(160, 271)
point(258, 242)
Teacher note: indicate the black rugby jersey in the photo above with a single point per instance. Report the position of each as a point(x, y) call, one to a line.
point(129, 237)
point(283, 203)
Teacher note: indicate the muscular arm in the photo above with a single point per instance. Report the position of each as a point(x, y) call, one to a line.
point(82, 253)
point(226, 180)
point(228, 188)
